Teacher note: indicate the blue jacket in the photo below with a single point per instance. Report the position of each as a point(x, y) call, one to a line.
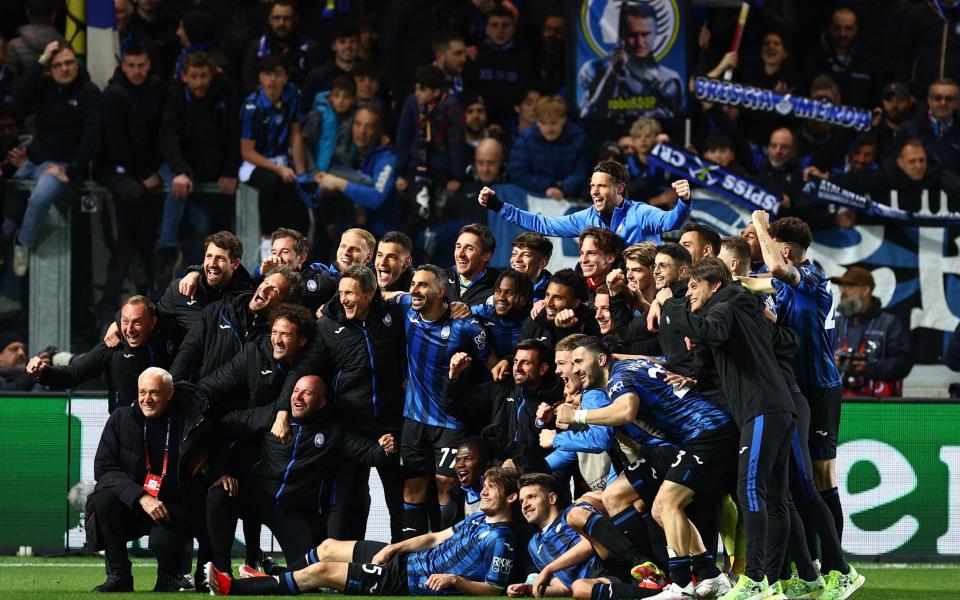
point(329, 126)
point(633, 221)
point(380, 200)
point(536, 164)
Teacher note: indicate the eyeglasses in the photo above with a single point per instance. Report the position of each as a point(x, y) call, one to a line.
point(66, 64)
point(663, 266)
point(941, 98)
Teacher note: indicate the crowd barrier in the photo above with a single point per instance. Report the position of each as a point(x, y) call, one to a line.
point(899, 475)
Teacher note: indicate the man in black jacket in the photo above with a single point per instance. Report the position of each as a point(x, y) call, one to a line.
point(284, 490)
point(199, 142)
point(129, 161)
point(142, 344)
point(470, 280)
point(393, 263)
point(225, 327)
point(67, 138)
point(147, 467)
point(564, 311)
point(357, 348)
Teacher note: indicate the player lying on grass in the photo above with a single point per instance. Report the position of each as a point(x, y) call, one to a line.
point(473, 558)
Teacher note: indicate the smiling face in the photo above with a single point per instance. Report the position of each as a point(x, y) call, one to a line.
point(425, 291)
point(269, 293)
point(309, 395)
point(528, 368)
point(218, 267)
point(136, 324)
point(558, 297)
point(352, 250)
point(469, 255)
point(695, 244)
point(356, 302)
point(605, 193)
point(527, 261)
point(666, 271)
point(284, 249)
point(286, 340)
point(772, 52)
point(699, 293)
point(602, 304)
point(536, 505)
point(594, 262)
point(493, 499)
point(153, 395)
point(639, 275)
point(468, 466)
point(588, 367)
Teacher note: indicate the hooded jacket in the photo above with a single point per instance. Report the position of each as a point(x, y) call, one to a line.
point(67, 121)
point(131, 121)
point(380, 199)
point(220, 333)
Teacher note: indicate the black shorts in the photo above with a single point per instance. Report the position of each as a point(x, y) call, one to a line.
point(367, 579)
point(428, 449)
point(824, 421)
point(646, 474)
point(703, 463)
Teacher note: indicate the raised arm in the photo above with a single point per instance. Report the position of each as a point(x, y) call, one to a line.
point(566, 226)
point(774, 259)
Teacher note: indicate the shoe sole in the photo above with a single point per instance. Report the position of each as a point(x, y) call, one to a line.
point(857, 584)
point(209, 576)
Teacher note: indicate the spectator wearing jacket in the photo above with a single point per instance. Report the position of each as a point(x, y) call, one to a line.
point(198, 32)
point(550, 159)
point(326, 128)
point(344, 45)
point(631, 220)
point(286, 489)
point(142, 344)
point(24, 50)
point(129, 161)
point(154, 25)
point(13, 360)
point(841, 57)
point(939, 128)
point(67, 136)
point(450, 56)
point(430, 134)
point(500, 68)
point(225, 327)
point(147, 469)
point(199, 142)
point(284, 38)
point(871, 346)
point(374, 196)
point(933, 43)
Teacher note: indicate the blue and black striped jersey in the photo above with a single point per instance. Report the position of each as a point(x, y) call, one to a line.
point(546, 545)
point(268, 125)
point(505, 332)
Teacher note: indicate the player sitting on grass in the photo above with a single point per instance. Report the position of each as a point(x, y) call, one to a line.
point(473, 558)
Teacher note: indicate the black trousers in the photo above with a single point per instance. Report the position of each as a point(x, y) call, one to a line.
point(278, 203)
point(296, 533)
point(118, 524)
point(138, 214)
point(350, 500)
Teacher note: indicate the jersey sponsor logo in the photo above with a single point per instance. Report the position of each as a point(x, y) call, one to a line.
point(266, 371)
point(312, 285)
point(222, 326)
point(616, 388)
point(743, 449)
point(821, 432)
point(191, 302)
point(383, 178)
point(126, 355)
point(387, 320)
point(445, 332)
point(318, 440)
point(502, 565)
point(481, 340)
point(338, 330)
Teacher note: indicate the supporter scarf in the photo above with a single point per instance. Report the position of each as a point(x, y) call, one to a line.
point(702, 172)
point(751, 98)
point(827, 192)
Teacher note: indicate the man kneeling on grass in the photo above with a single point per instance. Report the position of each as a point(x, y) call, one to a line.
point(472, 558)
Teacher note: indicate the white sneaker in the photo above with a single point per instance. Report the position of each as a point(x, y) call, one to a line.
point(675, 592)
point(21, 260)
point(713, 587)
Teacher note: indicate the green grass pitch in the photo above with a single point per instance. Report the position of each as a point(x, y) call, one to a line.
point(33, 578)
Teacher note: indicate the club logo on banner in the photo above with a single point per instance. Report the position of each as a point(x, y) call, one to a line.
point(631, 59)
point(751, 98)
point(700, 171)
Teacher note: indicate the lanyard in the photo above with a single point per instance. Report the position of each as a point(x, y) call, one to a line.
point(166, 450)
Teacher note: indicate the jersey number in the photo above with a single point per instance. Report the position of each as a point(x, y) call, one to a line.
point(373, 569)
point(831, 321)
point(446, 453)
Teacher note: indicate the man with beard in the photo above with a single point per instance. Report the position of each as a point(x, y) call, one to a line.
point(872, 347)
point(142, 345)
point(450, 56)
point(896, 107)
point(564, 310)
point(13, 360)
point(530, 255)
point(512, 298)
point(225, 327)
point(631, 220)
point(282, 36)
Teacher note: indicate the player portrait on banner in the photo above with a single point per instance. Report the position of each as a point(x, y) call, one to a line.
point(630, 59)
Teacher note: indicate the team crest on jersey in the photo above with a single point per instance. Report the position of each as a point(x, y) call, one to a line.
point(445, 332)
point(387, 320)
point(318, 440)
point(311, 285)
point(667, 319)
point(483, 535)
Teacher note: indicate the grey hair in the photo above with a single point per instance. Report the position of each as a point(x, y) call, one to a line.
point(165, 377)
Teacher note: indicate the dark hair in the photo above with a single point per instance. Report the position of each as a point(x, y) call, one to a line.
point(479, 445)
point(572, 280)
point(227, 241)
point(676, 252)
point(273, 61)
point(40, 10)
point(523, 287)
point(430, 77)
point(709, 235)
point(537, 242)
point(711, 270)
point(299, 241)
point(791, 230)
point(364, 276)
point(542, 480)
point(346, 84)
point(614, 169)
point(11, 110)
point(483, 232)
point(544, 353)
point(291, 3)
point(739, 247)
point(717, 141)
point(144, 301)
point(639, 11)
point(294, 280)
point(296, 314)
point(607, 241)
point(199, 60)
point(529, 86)
point(398, 237)
point(344, 30)
point(442, 40)
point(366, 69)
point(437, 272)
point(505, 479)
point(501, 11)
point(368, 22)
point(133, 49)
point(593, 344)
point(373, 110)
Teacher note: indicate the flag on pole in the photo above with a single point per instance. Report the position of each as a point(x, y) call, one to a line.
point(75, 29)
point(103, 45)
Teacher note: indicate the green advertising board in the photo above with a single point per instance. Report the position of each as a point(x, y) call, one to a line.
point(898, 474)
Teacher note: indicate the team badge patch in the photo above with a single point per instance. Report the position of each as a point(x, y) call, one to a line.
point(445, 332)
point(387, 320)
point(311, 285)
point(318, 440)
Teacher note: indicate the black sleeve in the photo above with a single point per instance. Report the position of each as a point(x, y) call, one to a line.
point(242, 423)
point(710, 330)
point(171, 126)
point(470, 403)
point(27, 90)
point(190, 355)
point(951, 357)
point(86, 151)
point(358, 448)
point(116, 130)
point(108, 467)
point(619, 311)
point(83, 368)
point(226, 385)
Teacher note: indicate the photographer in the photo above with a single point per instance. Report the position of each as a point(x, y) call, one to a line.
point(872, 348)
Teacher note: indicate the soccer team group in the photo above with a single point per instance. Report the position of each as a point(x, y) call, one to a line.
point(592, 432)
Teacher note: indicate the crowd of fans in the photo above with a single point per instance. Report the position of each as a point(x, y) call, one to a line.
point(664, 383)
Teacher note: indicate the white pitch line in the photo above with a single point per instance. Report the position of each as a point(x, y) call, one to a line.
point(67, 565)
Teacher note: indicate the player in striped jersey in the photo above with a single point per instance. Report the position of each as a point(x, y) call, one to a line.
point(512, 298)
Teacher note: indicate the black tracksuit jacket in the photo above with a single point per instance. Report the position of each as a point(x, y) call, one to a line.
point(543, 328)
point(477, 293)
point(131, 122)
point(185, 312)
point(250, 379)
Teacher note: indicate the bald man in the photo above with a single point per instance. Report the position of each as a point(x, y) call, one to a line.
point(147, 470)
point(286, 489)
point(485, 170)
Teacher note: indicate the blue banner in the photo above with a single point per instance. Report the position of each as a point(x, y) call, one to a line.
point(827, 192)
point(631, 59)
